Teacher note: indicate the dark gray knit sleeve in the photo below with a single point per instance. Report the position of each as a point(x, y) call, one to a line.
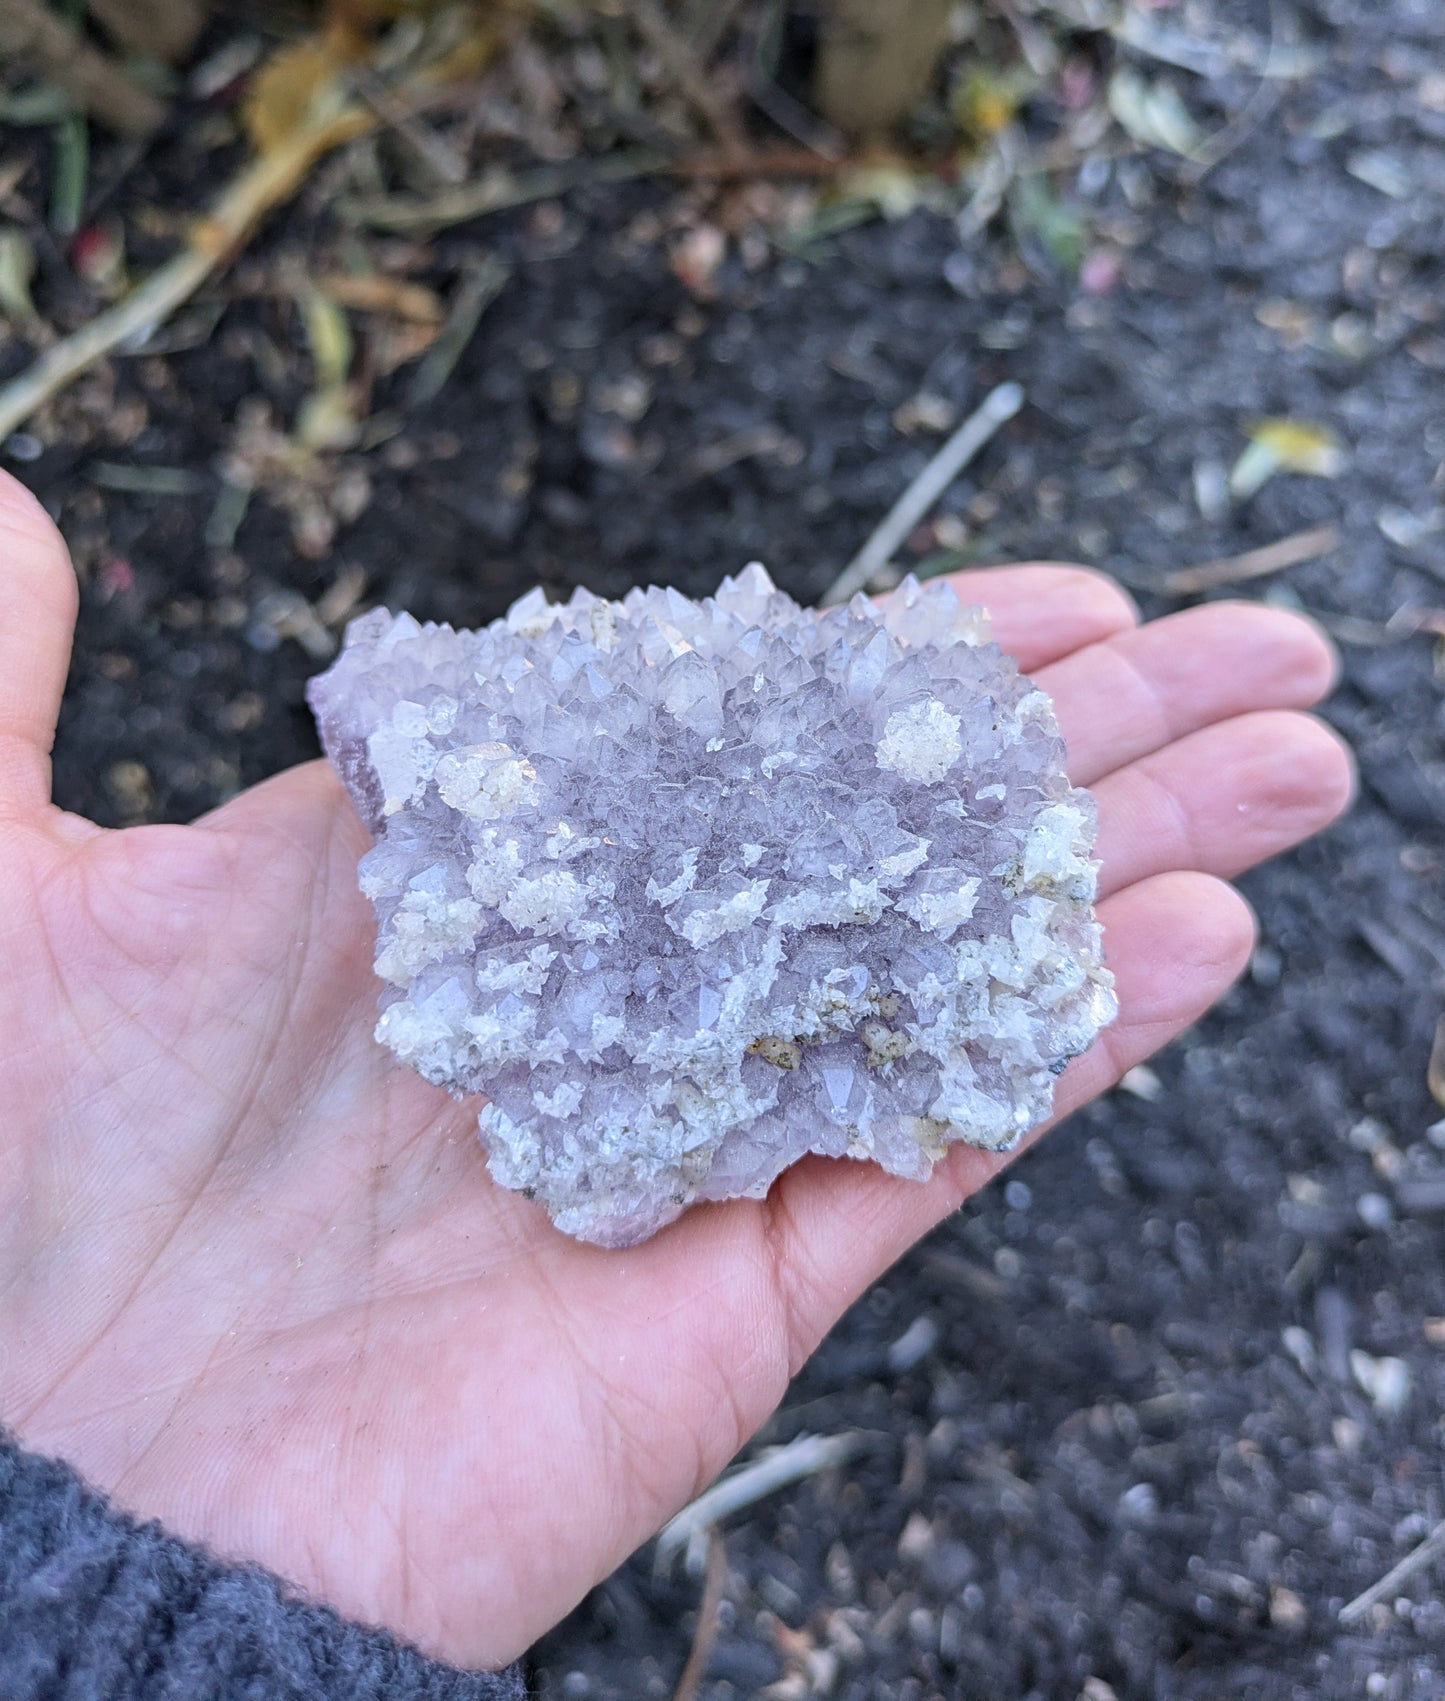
point(95, 1606)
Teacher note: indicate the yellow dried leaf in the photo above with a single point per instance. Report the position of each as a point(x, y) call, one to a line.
point(329, 335)
point(290, 88)
point(1301, 447)
point(1286, 445)
point(988, 101)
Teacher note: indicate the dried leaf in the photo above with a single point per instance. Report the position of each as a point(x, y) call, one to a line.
point(987, 100)
point(1302, 446)
point(895, 188)
point(326, 420)
point(294, 84)
point(1435, 1072)
point(341, 596)
point(329, 334)
point(472, 55)
point(478, 289)
point(17, 267)
point(1153, 113)
point(394, 342)
point(1285, 445)
point(373, 292)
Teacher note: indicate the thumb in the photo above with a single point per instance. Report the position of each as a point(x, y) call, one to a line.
point(38, 599)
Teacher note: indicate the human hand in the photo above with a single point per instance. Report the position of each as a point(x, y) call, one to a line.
point(254, 1279)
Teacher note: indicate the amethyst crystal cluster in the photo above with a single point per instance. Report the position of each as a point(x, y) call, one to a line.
point(690, 889)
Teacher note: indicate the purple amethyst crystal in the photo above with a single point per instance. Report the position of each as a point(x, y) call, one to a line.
point(690, 889)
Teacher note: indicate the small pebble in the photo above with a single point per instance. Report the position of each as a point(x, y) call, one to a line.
point(916, 1541)
point(1142, 1082)
point(1385, 1380)
point(1301, 1348)
point(1375, 1210)
point(913, 1346)
point(1140, 1503)
point(1286, 1610)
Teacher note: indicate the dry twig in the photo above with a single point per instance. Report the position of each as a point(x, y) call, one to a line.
point(31, 33)
point(1429, 1549)
point(775, 1469)
point(706, 22)
point(478, 290)
point(682, 63)
point(433, 150)
point(772, 162)
point(1254, 563)
point(998, 407)
point(491, 193)
point(705, 1635)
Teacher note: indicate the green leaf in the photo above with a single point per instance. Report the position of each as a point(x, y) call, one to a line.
point(72, 171)
point(1036, 211)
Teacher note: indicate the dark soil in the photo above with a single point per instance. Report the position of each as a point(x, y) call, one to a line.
point(1140, 1458)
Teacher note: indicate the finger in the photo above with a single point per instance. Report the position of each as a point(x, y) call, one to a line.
point(1140, 690)
point(38, 599)
point(1175, 943)
point(307, 801)
point(1223, 799)
point(1045, 610)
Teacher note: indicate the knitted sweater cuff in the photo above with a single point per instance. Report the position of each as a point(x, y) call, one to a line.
point(96, 1606)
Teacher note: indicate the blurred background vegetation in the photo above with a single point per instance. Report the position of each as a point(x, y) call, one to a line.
point(442, 111)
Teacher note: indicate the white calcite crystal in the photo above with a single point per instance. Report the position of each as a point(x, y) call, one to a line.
point(690, 889)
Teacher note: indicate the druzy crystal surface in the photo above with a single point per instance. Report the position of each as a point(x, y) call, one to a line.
point(690, 889)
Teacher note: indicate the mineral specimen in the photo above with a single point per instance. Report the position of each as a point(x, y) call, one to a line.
point(690, 889)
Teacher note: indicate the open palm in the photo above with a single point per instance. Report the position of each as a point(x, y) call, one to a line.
point(254, 1279)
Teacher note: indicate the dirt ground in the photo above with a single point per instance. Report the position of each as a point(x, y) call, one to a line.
point(1139, 1422)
